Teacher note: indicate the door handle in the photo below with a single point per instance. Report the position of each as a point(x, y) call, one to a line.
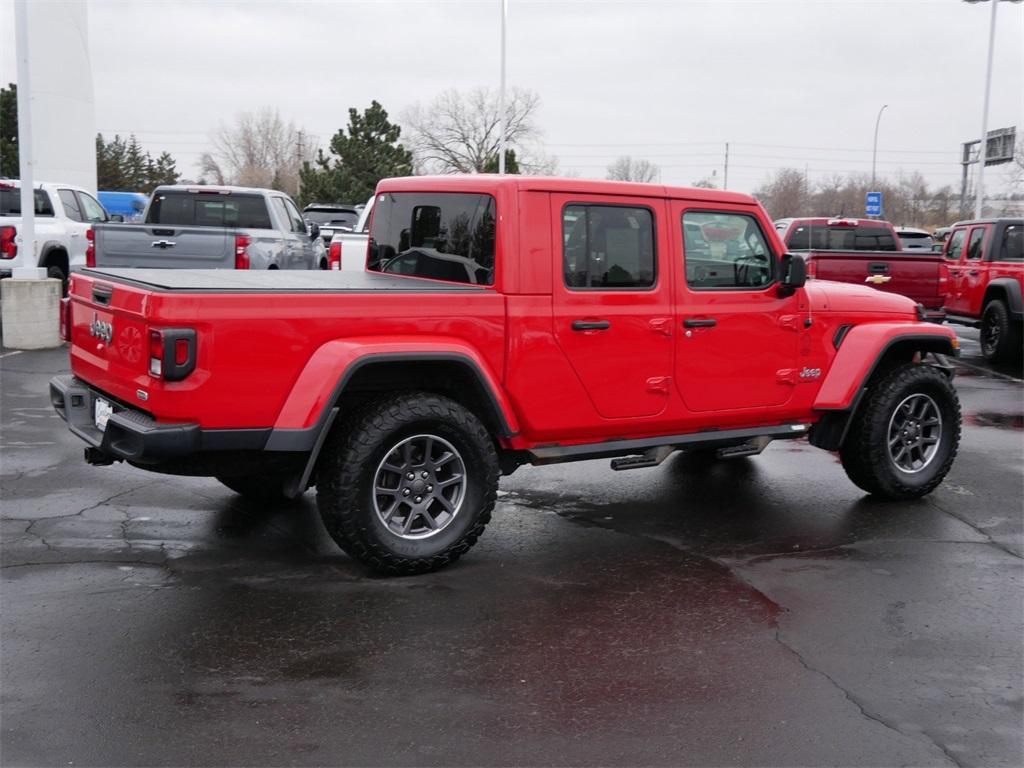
point(591, 325)
point(694, 322)
point(973, 273)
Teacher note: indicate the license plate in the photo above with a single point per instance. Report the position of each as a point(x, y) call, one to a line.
point(101, 412)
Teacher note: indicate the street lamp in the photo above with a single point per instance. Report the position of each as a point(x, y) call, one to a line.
point(983, 153)
point(874, 151)
point(501, 93)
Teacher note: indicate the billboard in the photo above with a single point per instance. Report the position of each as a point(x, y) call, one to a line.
point(1000, 147)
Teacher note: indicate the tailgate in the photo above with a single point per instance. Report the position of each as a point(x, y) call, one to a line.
point(910, 275)
point(110, 336)
point(162, 246)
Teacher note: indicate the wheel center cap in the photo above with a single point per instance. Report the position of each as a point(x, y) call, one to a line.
point(418, 486)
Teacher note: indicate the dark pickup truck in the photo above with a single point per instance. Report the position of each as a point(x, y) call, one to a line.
point(868, 252)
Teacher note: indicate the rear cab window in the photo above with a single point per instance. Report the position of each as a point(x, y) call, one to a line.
point(841, 237)
point(10, 202)
point(438, 235)
point(209, 209)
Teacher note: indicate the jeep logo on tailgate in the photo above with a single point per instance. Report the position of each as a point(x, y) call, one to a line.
point(100, 329)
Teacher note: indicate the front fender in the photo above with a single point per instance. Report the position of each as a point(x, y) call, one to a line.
point(865, 346)
point(334, 363)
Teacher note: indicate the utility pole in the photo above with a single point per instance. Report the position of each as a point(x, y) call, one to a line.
point(983, 152)
point(725, 179)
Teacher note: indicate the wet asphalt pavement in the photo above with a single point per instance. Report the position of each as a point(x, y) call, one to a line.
point(758, 612)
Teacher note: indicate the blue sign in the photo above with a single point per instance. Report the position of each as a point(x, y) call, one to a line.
point(873, 207)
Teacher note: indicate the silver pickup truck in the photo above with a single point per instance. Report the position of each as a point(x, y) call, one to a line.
point(213, 228)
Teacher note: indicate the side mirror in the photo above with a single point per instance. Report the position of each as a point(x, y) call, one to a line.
point(794, 274)
point(117, 218)
point(313, 229)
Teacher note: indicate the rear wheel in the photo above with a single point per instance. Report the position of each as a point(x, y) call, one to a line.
point(1000, 335)
point(408, 484)
point(905, 437)
point(56, 272)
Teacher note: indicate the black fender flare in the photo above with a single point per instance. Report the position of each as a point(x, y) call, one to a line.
point(1012, 290)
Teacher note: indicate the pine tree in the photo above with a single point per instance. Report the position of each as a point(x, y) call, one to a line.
point(9, 132)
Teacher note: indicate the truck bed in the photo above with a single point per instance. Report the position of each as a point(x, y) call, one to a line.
point(918, 275)
point(275, 281)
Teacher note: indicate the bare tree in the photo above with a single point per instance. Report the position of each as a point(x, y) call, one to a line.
point(459, 132)
point(784, 193)
point(259, 149)
point(626, 168)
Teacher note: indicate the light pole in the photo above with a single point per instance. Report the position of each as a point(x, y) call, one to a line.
point(501, 93)
point(874, 151)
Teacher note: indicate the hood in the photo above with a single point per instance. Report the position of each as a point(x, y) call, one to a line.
point(827, 296)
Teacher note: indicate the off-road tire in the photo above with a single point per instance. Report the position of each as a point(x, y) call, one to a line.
point(349, 462)
point(865, 451)
point(265, 489)
point(54, 272)
point(1006, 346)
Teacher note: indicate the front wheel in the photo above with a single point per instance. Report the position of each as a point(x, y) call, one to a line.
point(407, 485)
point(905, 437)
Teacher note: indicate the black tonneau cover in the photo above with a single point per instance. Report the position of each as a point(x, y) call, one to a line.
point(275, 281)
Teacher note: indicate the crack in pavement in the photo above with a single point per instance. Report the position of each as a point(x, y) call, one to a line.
point(981, 531)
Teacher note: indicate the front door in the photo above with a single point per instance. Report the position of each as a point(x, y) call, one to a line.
point(736, 338)
point(974, 278)
point(954, 254)
point(612, 300)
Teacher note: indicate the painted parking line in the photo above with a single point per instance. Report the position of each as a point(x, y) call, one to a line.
point(11, 353)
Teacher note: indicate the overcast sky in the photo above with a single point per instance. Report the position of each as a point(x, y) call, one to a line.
point(785, 83)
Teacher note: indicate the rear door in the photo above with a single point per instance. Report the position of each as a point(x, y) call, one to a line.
point(612, 300)
point(955, 247)
point(736, 338)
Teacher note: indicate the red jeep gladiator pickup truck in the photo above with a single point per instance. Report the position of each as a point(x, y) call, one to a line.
point(501, 321)
point(868, 252)
point(986, 259)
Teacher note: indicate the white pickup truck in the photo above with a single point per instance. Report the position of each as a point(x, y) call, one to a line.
point(207, 227)
point(64, 217)
point(347, 251)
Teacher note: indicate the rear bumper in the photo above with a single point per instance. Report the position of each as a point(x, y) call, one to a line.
point(135, 436)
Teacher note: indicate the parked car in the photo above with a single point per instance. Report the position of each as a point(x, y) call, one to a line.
point(347, 250)
point(914, 239)
point(402, 399)
point(64, 218)
point(986, 261)
point(332, 218)
point(869, 252)
point(213, 228)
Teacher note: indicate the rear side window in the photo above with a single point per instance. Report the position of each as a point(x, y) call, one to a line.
point(826, 238)
point(1013, 243)
point(10, 203)
point(70, 203)
point(974, 246)
point(956, 245)
point(185, 209)
point(608, 246)
point(442, 236)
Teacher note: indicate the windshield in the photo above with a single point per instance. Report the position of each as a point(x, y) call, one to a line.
point(205, 209)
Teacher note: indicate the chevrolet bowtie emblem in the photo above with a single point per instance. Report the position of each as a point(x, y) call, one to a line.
point(877, 279)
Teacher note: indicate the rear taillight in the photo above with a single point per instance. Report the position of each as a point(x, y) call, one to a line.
point(8, 247)
point(812, 268)
point(943, 287)
point(334, 256)
point(242, 243)
point(90, 248)
point(65, 319)
point(172, 353)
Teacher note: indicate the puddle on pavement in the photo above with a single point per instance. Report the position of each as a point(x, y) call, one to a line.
point(993, 419)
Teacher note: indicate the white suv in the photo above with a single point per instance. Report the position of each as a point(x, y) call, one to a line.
point(64, 215)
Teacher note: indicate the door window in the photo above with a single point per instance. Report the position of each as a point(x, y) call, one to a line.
point(91, 208)
point(608, 247)
point(974, 246)
point(70, 202)
point(725, 250)
point(297, 224)
point(956, 245)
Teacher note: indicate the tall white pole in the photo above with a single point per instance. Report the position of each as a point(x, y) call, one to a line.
point(27, 229)
point(874, 151)
point(501, 93)
point(983, 153)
